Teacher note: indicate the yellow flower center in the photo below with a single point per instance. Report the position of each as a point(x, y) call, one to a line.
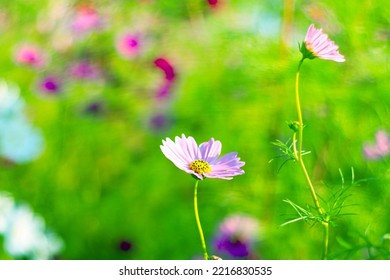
point(200, 166)
point(309, 47)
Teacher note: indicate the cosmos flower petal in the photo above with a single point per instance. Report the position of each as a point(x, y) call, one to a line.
point(174, 152)
point(229, 159)
point(188, 146)
point(312, 32)
point(224, 174)
point(210, 150)
point(175, 158)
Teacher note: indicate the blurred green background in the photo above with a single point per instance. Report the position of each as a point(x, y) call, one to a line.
point(102, 179)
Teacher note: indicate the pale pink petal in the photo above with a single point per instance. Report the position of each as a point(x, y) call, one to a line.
point(174, 153)
point(188, 146)
point(226, 175)
point(229, 159)
point(210, 150)
point(382, 142)
point(371, 152)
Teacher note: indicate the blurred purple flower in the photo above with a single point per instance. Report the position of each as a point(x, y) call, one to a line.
point(380, 148)
point(94, 108)
point(202, 161)
point(86, 19)
point(125, 245)
point(84, 70)
point(31, 55)
point(166, 67)
point(236, 236)
point(128, 45)
point(159, 122)
point(50, 85)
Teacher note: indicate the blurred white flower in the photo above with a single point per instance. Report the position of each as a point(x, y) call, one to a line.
point(11, 104)
point(25, 234)
point(19, 141)
point(6, 205)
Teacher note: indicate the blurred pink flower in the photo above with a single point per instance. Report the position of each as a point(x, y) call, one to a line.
point(31, 55)
point(166, 67)
point(128, 45)
point(317, 44)
point(202, 161)
point(380, 149)
point(86, 19)
point(84, 70)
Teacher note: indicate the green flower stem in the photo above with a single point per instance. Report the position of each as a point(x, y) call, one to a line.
point(206, 256)
point(295, 146)
point(298, 155)
point(326, 239)
point(299, 110)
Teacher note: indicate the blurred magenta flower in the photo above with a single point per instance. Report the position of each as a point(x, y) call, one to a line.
point(86, 19)
point(164, 90)
point(129, 45)
point(166, 67)
point(213, 3)
point(236, 236)
point(317, 44)
point(30, 55)
point(50, 85)
point(84, 70)
point(380, 148)
point(202, 161)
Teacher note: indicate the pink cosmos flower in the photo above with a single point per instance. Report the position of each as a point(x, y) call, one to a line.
point(128, 45)
point(86, 19)
point(317, 44)
point(30, 55)
point(84, 70)
point(202, 161)
point(380, 149)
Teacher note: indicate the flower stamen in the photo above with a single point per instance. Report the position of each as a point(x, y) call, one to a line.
point(200, 166)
